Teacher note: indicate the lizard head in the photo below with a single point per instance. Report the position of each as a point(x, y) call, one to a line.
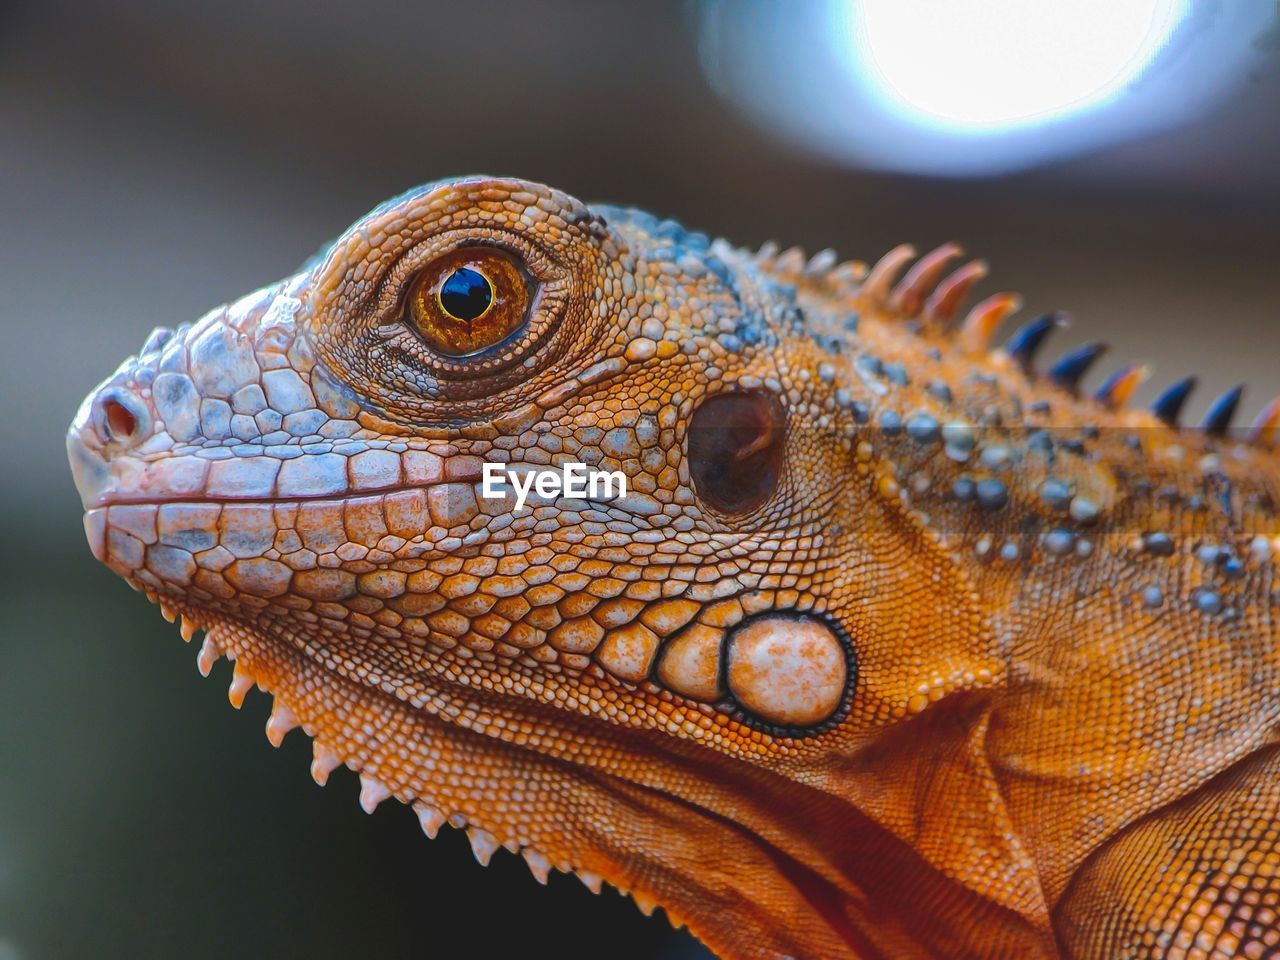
point(684, 680)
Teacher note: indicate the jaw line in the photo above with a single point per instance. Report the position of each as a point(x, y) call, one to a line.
point(224, 637)
point(369, 733)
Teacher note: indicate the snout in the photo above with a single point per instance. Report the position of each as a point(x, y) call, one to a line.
point(115, 419)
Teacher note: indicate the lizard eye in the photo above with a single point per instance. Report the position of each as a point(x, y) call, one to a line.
point(736, 449)
point(468, 300)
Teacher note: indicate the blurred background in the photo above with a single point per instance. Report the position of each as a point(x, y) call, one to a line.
point(158, 158)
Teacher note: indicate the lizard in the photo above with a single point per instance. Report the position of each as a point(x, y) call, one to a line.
point(898, 643)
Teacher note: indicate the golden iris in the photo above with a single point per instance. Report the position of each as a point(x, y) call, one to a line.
point(468, 300)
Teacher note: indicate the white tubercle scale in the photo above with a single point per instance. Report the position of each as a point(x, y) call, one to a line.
point(241, 683)
point(539, 865)
point(280, 722)
point(323, 762)
point(483, 844)
point(430, 818)
point(591, 880)
point(208, 655)
point(372, 793)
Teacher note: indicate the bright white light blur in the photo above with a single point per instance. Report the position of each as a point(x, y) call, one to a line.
point(975, 87)
point(990, 64)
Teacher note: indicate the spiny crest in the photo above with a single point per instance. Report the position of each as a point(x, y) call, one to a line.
point(823, 265)
point(920, 288)
point(903, 285)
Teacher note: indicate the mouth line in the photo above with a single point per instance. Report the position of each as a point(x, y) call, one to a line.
point(105, 503)
point(471, 478)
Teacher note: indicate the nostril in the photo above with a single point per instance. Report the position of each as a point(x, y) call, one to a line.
point(119, 418)
point(121, 424)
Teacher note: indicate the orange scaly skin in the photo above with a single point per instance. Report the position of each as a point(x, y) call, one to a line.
point(985, 669)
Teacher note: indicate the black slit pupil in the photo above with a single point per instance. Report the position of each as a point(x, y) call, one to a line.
point(465, 294)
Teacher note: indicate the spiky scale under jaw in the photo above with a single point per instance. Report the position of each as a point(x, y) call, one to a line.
point(298, 474)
